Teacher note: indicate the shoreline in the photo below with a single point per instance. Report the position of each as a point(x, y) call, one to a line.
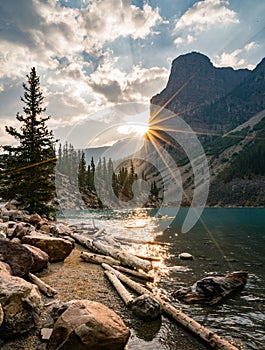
point(76, 279)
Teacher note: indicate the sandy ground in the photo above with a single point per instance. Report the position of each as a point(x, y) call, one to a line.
point(75, 279)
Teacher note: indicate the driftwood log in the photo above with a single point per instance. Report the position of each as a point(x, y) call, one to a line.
point(213, 289)
point(135, 273)
point(43, 287)
point(205, 334)
point(121, 290)
point(125, 258)
point(99, 259)
point(145, 307)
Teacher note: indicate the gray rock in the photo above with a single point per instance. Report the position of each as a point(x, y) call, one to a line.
point(88, 325)
point(57, 248)
point(17, 257)
point(21, 303)
point(146, 307)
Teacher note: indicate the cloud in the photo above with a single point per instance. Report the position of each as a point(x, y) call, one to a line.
point(201, 17)
point(237, 58)
point(138, 85)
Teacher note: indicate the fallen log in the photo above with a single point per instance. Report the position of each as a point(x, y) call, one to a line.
point(145, 307)
point(124, 257)
point(84, 241)
point(121, 290)
point(98, 259)
point(135, 273)
point(138, 241)
point(43, 287)
point(146, 257)
point(211, 338)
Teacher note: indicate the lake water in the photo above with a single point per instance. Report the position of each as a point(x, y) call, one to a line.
point(223, 240)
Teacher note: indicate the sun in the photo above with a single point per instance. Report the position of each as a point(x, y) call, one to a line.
point(141, 129)
point(137, 129)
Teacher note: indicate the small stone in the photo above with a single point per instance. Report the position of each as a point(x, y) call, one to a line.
point(185, 256)
point(146, 307)
point(46, 334)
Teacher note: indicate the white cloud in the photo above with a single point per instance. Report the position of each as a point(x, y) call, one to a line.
point(117, 86)
point(203, 16)
point(237, 58)
point(251, 46)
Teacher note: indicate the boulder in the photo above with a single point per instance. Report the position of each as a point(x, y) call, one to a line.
point(88, 325)
point(40, 258)
point(61, 229)
point(4, 268)
point(35, 219)
point(146, 307)
point(21, 303)
point(57, 248)
point(17, 257)
point(212, 290)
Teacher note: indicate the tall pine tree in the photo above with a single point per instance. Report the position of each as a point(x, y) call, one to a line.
point(29, 166)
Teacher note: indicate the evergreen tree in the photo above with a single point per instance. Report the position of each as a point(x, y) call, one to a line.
point(82, 172)
point(29, 167)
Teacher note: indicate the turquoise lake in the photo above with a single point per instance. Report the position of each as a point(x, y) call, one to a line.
point(222, 241)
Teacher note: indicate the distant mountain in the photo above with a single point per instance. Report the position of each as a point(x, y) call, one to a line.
point(211, 99)
point(95, 152)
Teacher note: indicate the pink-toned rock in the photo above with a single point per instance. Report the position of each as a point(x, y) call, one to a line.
point(57, 248)
point(40, 258)
point(17, 257)
point(5, 268)
point(88, 325)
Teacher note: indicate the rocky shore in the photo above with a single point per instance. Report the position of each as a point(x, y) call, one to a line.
point(31, 320)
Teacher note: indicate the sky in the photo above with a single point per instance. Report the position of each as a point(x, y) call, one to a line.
point(100, 61)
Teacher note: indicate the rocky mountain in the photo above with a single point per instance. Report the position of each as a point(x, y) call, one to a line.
point(212, 100)
point(226, 108)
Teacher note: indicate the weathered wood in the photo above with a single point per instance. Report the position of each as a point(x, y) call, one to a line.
point(43, 287)
point(124, 257)
point(84, 241)
point(146, 257)
point(207, 335)
point(139, 241)
point(213, 289)
point(135, 273)
point(121, 290)
point(98, 259)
